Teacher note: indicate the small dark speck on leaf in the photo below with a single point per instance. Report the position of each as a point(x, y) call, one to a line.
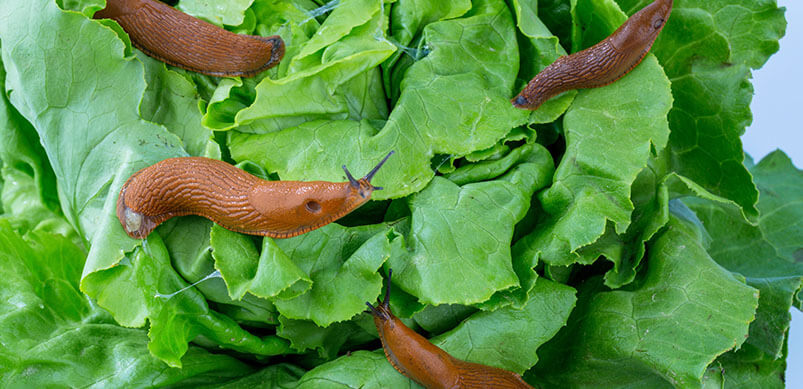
point(798, 255)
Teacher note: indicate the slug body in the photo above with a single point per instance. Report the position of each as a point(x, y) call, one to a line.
point(234, 199)
point(601, 64)
point(418, 359)
point(171, 36)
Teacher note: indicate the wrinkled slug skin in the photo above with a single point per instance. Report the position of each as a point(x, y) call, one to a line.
point(601, 64)
point(420, 360)
point(178, 39)
point(232, 198)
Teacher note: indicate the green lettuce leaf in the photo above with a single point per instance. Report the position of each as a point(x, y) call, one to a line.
point(84, 64)
point(650, 198)
point(266, 275)
point(709, 62)
point(484, 336)
point(53, 335)
point(172, 100)
point(767, 255)
point(611, 134)
point(458, 247)
point(306, 335)
point(488, 237)
point(454, 101)
point(86, 7)
point(665, 330)
point(147, 286)
point(507, 338)
point(115, 141)
point(190, 249)
point(342, 263)
point(357, 370)
point(284, 376)
point(28, 193)
point(557, 16)
point(344, 46)
point(746, 368)
point(229, 13)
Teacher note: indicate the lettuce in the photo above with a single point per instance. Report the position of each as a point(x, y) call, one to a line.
point(616, 237)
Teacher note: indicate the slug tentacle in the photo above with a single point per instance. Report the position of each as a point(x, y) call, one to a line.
point(171, 36)
point(232, 198)
point(601, 64)
point(415, 357)
point(368, 177)
point(351, 178)
point(382, 310)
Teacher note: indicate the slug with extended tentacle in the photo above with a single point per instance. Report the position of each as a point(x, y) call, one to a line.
point(171, 36)
point(601, 64)
point(423, 362)
point(234, 199)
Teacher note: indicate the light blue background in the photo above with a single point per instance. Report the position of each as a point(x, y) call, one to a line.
point(777, 115)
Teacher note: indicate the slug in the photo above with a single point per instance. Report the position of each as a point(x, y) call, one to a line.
point(234, 199)
point(423, 362)
point(171, 36)
point(601, 64)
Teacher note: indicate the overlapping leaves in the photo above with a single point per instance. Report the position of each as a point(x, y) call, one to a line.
point(686, 311)
point(361, 78)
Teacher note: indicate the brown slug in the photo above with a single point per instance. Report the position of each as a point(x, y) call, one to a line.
point(601, 64)
point(234, 199)
point(423, 362)
point(171, 36)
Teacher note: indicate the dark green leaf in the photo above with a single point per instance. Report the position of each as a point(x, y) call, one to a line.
point(663, 331)
point(766, 254)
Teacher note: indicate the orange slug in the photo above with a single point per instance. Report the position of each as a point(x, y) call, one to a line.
point(234, 199)
point(171, 36)
point(601, 64)
point(423, 362)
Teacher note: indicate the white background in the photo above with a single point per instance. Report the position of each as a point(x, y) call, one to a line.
point(777, 115)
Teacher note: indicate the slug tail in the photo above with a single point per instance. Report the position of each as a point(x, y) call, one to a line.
point(475, 375)
point(178, 39)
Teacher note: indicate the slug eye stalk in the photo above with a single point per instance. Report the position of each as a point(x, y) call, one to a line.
point(383, 309)
point(368, 177)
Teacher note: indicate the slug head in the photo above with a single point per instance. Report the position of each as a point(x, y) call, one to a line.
point(296, 207)
point(641, 29)
point(290, 208)
point(381, 312)
point(363, 185)
point(522, 101)
point(136, 224)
